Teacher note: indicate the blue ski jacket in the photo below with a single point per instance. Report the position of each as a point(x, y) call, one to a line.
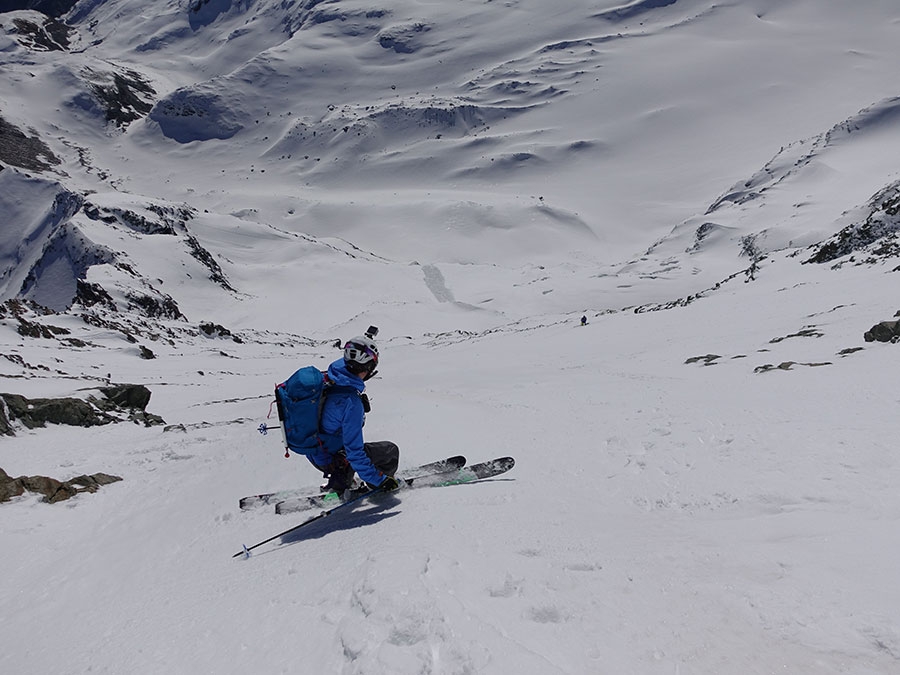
point(342, 423)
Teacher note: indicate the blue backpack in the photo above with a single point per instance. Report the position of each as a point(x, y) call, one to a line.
point(299, 400)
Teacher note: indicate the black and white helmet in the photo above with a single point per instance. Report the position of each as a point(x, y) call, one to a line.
point(361, 355)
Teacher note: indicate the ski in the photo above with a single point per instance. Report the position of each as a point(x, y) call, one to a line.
point(440, 466)
point(453, 476)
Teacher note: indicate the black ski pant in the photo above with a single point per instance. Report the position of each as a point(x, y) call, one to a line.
point(385, 456)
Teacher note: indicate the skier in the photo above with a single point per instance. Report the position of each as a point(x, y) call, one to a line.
point(343, 452)
point(584, 320)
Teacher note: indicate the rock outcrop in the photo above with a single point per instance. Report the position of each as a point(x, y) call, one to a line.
point(118, 403)
point(52, 489)
point(885, 331)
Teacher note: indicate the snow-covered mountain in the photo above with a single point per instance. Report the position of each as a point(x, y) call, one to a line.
point(202, 195)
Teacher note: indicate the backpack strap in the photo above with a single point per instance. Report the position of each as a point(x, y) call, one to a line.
point(332, 388)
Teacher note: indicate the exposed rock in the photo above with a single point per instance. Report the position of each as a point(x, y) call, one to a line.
point(14, 307)
point(145, 218)
point(50, 36)
point(205, 257)
point(885, 331)
point(787, 365)
point(808, 331)
point(52, 489)
point(89, 294)
point(875, 236)
point(155, 307)
point(119, 403)
point(19, 361)
point(26, 152)
point(131, 397)
point(127, 395)
point(145, 418)
point(9, 487)
point(215, 330)
point(93, 482)
point(708, 359)
point(5, 428)
point(35, 330)
point(38, 412)
point(126, 96)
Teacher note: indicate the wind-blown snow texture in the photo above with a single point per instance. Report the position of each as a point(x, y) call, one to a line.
point(706, 477)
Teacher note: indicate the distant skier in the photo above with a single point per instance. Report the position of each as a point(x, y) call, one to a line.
point(343, 451)
point(584, 320)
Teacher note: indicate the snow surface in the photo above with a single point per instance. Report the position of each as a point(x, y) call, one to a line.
point(506, 168)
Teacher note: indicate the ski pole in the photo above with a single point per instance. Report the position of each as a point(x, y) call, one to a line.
point(264, 430)
point(246, 549)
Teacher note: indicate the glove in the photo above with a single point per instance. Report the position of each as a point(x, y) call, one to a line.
point(389, 484)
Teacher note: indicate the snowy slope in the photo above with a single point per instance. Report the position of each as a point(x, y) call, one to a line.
point(705, 478)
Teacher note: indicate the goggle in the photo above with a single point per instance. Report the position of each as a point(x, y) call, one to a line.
point(365, 349)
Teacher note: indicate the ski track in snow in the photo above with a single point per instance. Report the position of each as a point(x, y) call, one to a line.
point(436, 284)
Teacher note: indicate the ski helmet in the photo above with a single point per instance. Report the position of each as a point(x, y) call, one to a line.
point(361, 355)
